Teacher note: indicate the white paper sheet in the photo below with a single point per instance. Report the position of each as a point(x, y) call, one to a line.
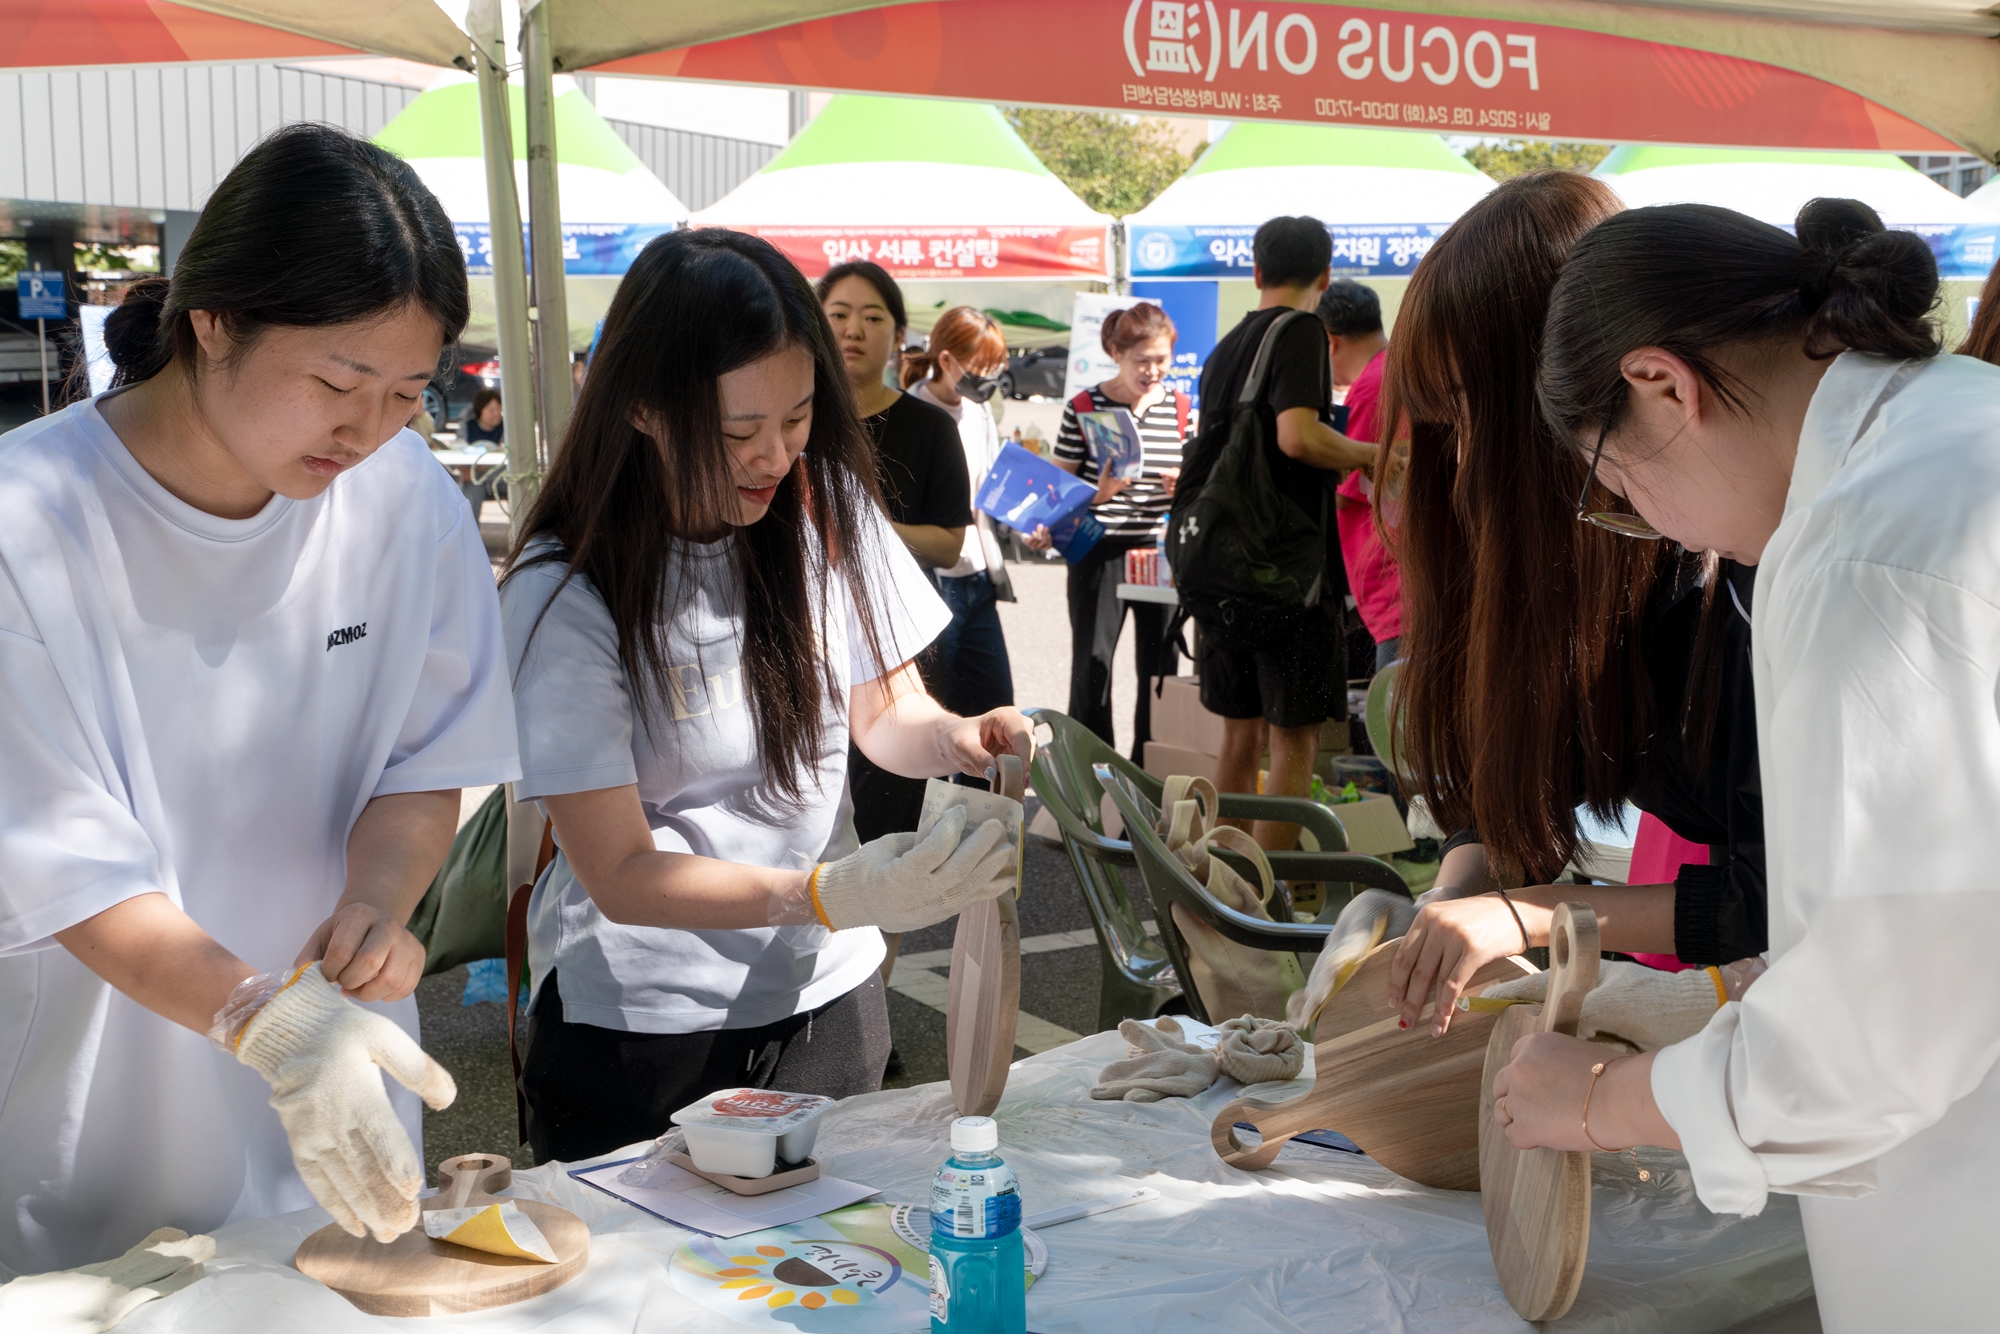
point(679, 1196)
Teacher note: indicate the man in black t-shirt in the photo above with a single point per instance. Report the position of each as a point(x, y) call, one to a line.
point(1290, 676)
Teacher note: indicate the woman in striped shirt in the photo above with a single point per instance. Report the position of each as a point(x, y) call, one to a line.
point(1133, 511)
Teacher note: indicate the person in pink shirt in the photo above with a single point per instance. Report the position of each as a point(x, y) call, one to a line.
point(1358, 348)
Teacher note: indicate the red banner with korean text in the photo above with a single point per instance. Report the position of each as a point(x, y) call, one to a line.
point(1327, 64)
point(947, 251)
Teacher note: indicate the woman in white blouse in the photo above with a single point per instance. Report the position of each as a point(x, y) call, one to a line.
point(1781, 401)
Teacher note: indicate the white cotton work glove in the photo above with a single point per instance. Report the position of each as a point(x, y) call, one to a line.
point(902, 883)
point(1370, 917)
point(1257, 1051)
point(1159, 1064)
point(1640, 1006)
point(323, 1056)
point(96, 1297)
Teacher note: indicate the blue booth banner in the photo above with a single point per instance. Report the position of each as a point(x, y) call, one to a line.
point(1360, 250)
point(589, 248)
point(1964, 251)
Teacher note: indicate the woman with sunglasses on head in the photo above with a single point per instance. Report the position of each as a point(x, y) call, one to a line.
point(249, 652)
point(1780, 399)
point(958, 371)
point(1549, 663)
point(705, 605)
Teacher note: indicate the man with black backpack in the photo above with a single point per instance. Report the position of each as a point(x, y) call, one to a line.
point(1251, 533)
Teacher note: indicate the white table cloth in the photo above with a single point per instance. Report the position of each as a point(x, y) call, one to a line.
point(1322, 1240)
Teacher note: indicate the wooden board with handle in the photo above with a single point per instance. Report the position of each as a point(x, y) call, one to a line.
point(1409, 1100)
point(984, 1002)
point(419, 1275)
point(1537, 1201)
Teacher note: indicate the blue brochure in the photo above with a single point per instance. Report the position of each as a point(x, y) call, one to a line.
point(1025, 491)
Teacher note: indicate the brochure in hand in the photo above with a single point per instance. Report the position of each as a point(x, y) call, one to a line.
point(1026, 492)
point(1113, 440)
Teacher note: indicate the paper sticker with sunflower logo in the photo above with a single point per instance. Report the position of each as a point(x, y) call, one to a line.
point(859, 1270)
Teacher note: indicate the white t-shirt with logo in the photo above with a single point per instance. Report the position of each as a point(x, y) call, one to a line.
point(694, 757)
point(201, 707)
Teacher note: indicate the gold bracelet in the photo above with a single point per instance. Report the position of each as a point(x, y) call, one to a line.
point(1595, 1071)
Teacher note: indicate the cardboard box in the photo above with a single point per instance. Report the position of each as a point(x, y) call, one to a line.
point(1164, 761)
point(1179, 720)
point(1373, 825)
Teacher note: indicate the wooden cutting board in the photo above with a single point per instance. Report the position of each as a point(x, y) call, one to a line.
point(1411, 1101)
point(418, 1275)
point(1538, 1200)
point(984, 1003)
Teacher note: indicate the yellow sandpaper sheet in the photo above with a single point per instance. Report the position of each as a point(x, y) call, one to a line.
point(501, 1229)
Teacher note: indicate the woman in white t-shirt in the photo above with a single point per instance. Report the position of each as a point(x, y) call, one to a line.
point(706, 602)
point(959, 370)
point(249, 652)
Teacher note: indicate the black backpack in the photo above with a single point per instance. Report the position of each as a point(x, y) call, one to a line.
point(1247, 558)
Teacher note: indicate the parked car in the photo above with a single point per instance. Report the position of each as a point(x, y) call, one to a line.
point(1035, 370)
point(449, 396)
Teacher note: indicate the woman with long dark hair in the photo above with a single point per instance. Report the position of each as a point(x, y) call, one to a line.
point(249, 651)
point(705, 604)
point(1550, 664)
point(1780, 399)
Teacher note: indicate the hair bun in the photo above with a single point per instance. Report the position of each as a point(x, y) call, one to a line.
point(1863, 286)
point(132, 331)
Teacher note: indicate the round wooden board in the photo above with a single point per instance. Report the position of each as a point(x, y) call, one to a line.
point(417, 1275)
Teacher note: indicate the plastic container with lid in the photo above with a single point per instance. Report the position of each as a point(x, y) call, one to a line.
point(748, 1132)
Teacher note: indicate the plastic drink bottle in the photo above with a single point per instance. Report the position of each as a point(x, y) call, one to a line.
point(978, 1276)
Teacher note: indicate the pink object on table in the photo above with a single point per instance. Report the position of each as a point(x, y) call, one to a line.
point(1658, 854)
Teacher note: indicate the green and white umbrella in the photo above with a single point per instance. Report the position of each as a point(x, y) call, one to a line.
point(612, 205)
point(928, 190)
point(1384, 195)
point(1772, 186)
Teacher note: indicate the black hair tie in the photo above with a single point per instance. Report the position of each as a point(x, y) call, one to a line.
point(1816, 269)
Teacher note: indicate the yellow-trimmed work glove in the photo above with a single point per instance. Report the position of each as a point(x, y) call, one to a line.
point(902, 883)
point(1642, 1007)
point(323, 1056)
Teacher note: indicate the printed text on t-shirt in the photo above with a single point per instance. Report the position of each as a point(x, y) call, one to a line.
point(347, 634)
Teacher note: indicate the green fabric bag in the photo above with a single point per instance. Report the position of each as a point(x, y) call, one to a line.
point(463, 915)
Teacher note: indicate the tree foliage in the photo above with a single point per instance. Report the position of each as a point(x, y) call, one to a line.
point(1115, 165)
point(1512, 157)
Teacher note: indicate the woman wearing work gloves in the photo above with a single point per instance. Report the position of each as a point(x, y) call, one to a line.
point(1780, 399)
point(706, 604)
point(249, 651)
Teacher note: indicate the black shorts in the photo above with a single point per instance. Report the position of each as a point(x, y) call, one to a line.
point(1295, 678)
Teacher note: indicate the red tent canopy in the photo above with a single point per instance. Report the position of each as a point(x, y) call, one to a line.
point(1315, 63)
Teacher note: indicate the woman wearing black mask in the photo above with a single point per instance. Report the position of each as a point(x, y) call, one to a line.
point(958, 371)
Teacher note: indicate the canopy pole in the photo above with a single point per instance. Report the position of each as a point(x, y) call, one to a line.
point(510, 263)
point(545, 229)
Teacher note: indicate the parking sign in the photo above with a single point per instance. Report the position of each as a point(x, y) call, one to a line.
point(41, 295)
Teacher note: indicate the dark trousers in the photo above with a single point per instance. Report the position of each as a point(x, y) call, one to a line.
point(972, 652)
point(591, 1090)
point(1096, 619)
